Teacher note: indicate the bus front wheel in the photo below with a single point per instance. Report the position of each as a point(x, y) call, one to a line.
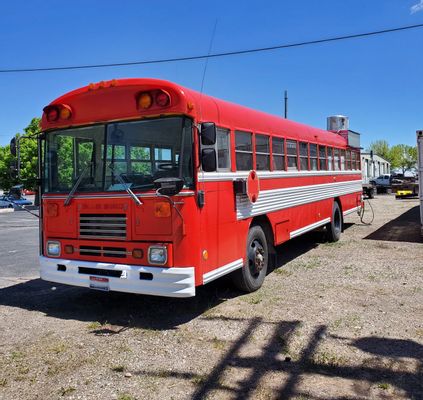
point(251, 276)
point(334, 227)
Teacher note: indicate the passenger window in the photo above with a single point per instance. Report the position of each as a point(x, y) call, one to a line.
point(330, 158)
point(291, 149)
point(322, 158)
point(223, 146)
point(278, 152)
point(243, 151)
point(262, 152)
point(313, 157)
point(348, 159)
point(342, 159)
point(303, 156)
point(336, 159)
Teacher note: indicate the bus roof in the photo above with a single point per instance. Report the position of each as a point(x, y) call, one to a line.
point(116, 100)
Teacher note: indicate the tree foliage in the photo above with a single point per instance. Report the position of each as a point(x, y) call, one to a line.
point(381, 148)
point(403, 156)
point(28, 159)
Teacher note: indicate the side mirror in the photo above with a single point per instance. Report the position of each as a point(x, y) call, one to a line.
point(208, 160)
point(13, 146)
point(208, 133)
point(169, 186)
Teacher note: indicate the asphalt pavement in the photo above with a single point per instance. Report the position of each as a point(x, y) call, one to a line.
point(18, 247)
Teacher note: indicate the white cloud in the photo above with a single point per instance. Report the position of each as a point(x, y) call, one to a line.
point(417, 7)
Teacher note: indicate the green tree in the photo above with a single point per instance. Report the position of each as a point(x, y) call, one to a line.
point(381, 148)
point(7, 180)
point(28, 159)
point(403, 156)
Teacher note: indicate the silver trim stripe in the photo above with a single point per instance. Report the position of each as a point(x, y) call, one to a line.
point(350, 211)
point(217, 273)
point(307, 228)
point(279, 199)
point(230, 176)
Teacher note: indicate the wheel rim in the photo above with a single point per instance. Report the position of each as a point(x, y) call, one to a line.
point(256, 258)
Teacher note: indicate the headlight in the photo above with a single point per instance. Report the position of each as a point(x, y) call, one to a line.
point(157, 255)
point(53, 249)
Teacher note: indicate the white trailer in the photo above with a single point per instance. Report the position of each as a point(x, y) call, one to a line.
point(420, 172)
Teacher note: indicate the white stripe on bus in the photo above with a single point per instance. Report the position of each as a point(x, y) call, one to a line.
point(279, 199)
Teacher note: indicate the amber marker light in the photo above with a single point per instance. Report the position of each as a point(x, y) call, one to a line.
point(68, 249)
point(65, 112)
point(162, 209)
point(137, 253)
point(144, 101)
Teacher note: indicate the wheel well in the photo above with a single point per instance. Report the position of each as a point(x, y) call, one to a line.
point(264, 222)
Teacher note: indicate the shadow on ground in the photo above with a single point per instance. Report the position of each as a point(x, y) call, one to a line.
point(405, 228)
point(381, 373)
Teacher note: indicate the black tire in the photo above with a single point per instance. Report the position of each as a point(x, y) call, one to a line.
point(334, 227)
point(251, 276)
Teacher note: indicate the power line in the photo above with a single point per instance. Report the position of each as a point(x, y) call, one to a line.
point(215, 55)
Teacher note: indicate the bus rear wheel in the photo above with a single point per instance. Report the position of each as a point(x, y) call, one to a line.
point(251, 276)
point(334, 227)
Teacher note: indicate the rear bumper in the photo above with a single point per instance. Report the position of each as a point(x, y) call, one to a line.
point(170, 282)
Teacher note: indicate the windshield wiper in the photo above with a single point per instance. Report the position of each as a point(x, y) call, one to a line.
point(75, 186)
point(126, 187)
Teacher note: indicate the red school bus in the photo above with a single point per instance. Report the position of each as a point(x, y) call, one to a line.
point(152, 188)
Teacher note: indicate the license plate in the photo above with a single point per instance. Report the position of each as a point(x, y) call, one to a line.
point(99, 283)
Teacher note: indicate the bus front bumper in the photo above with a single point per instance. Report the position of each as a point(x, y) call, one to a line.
point(156, 281)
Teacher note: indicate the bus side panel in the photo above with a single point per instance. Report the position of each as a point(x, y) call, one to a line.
point(231, 234)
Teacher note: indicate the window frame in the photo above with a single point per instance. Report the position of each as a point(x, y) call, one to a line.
point(244, 151)
point(291, 156)
point(257, 153)
point(283, 155)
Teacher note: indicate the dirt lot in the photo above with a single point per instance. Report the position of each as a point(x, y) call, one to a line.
point(333, 321)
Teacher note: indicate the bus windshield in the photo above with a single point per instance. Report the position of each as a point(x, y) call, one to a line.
point(118, 155)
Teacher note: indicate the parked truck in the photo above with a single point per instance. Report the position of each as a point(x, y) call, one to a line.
point(420, 174)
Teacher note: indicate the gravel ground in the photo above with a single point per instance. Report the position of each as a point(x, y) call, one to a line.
point(332, 321)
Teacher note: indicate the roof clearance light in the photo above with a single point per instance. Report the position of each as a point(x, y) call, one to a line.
point(162, 99)
point(65, 112)
point(145, 100)
point(52, 114)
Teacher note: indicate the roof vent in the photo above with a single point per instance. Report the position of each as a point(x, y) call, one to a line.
point(337, 123)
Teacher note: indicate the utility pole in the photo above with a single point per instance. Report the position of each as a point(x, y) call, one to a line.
point(286, 104)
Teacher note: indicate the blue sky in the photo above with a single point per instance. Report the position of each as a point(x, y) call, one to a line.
point(376, 81)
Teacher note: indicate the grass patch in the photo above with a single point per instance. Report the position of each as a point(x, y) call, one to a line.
point(126, 396)
point(3, 382)
point(218, 344)
point(283, 272)
point(16, 355)
point(59, 348)
point(199, 379)
point(383, 385)
point(329, 359)
point(94, 325)
point(308, 264)
point(118, 368)
point(65, 391)
point(254, 298)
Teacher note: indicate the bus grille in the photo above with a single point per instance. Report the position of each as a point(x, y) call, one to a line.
point(102, 226)
point(96, 251)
